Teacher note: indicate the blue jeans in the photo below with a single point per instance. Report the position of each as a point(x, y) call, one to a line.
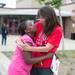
point(4, 38)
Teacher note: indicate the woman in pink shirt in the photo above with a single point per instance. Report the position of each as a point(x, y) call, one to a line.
point(21, 63)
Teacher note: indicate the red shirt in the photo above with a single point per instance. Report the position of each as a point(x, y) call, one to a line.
point(41, 39)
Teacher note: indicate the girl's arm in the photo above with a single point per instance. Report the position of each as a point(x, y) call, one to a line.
point(45, 48)
point(26, 47)
point(33, 60)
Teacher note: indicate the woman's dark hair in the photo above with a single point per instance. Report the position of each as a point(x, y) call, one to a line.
point(51, 20)
point(21, 28)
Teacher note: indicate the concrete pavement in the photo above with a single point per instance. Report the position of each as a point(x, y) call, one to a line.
point(11, 43)
point(4, 63)
point(68, 44)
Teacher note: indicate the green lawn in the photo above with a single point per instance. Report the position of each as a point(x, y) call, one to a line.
point(8, 54)
point(66, 53)
point(61, 54)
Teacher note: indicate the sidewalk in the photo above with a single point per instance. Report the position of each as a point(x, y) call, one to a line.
point(68, 44)
point(4, 63)
point(11, 43)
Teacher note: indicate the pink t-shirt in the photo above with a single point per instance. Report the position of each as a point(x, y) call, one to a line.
point(18, 65)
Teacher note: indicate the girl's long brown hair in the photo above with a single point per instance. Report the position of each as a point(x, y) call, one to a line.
point(51, 20)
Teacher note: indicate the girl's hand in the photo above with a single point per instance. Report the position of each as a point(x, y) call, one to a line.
point(19, 42)
point(25, 46)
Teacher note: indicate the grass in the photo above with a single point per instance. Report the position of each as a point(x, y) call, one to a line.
point(8, 54)
point(66, 53)
point(60, 54)
point(66, 56)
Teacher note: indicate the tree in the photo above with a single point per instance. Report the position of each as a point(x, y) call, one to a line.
point(56, 4)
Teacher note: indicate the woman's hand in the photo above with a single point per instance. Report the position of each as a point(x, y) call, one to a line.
point(50, 55)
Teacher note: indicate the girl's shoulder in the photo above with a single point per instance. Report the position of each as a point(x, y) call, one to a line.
point(26, 38)
point(57, 31)
point(58, 28)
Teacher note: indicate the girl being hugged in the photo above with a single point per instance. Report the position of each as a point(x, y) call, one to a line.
point(22, 61)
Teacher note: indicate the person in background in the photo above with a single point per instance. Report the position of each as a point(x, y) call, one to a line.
point(4, 33)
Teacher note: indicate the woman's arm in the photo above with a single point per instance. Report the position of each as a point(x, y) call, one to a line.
point(26, 47)
point(33, 60)
point(45, 48)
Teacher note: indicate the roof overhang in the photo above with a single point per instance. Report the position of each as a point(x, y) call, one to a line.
point(28, 11)
point(63, 13)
